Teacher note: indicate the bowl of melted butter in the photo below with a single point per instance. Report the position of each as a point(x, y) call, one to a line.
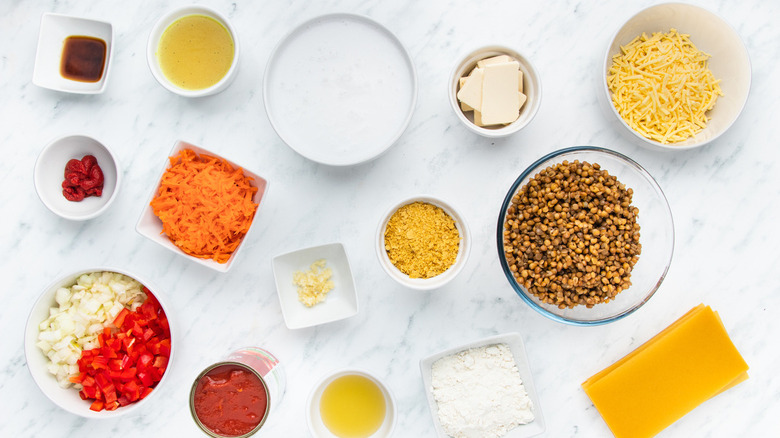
point(193, 51)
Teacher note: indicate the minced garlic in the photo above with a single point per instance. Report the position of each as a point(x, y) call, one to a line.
point(421, 240)
point(314, 284)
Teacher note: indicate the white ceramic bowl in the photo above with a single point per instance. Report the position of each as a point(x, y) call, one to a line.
point(314, 419)
point(729, 62)
point(154, 39)
point(340, 89)
point(150, 226)
point(532, 88)
point(340, 303)
point(68, 398)
point(515, 343)
point(424, 283)
point(55, 28)
point(49, 174)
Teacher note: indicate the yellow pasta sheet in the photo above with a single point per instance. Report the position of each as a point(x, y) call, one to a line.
point(668, 376)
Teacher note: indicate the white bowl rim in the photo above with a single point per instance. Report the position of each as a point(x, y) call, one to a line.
point(333, 375)
point(106, 205)
point(517, 125)
point(654, 144)
point(183, 11)
point(31, 348)
point(425, 284)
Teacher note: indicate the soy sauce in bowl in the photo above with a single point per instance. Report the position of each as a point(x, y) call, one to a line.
point(83, 58)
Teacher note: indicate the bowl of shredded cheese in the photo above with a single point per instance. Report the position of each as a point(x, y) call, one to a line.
point(676, 76)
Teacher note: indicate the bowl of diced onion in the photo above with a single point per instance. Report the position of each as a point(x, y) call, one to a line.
point(99, 342)
point(675, 76)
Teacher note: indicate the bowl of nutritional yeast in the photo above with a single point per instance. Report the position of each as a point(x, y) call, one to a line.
point(422, 242)
point(585, 236)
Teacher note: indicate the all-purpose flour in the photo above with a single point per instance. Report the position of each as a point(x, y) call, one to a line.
point(479, 393)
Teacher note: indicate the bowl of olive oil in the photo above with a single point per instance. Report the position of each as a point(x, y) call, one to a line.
point(193, 51)
point(351, 403)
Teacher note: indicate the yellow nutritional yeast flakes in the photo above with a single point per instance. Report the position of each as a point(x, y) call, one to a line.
point(421, 240)
point(314, 284)
point(662, 87)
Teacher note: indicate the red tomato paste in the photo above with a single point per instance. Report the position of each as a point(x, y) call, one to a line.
point(230, 400)
point(82, 178)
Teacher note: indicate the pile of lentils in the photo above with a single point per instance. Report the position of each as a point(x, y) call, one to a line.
point(571, 236)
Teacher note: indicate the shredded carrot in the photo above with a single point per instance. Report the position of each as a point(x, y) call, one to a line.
point(205, 205)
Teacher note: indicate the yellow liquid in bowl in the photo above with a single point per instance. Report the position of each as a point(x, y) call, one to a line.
point(352, 406)
point(195, 52)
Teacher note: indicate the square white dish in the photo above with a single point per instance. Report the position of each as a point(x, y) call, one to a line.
point(55, 28)
point(340, 303)
point(515, 343)
point(150, 226)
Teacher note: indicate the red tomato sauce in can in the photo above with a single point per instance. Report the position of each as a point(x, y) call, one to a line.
point(230, 400)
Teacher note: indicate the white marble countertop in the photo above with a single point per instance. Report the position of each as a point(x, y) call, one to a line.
point(724, 198)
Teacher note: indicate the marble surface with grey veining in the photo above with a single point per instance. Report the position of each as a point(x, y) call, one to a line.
point(725, 199)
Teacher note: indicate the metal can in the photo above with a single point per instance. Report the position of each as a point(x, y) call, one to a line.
point(247, 386)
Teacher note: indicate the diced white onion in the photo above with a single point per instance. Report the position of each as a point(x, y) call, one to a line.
point(82, 311)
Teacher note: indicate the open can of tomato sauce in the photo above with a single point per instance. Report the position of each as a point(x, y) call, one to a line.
point(233, 398)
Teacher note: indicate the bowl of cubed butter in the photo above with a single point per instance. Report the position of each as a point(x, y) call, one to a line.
point(495, 91)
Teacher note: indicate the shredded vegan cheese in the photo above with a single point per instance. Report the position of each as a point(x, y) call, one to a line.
point(314, 284)
point(662, 86)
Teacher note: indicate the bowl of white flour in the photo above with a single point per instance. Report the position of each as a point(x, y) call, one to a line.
point(483, 388)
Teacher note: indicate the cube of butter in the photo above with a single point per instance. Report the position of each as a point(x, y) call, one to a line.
point(463, 106)
point(500, 100)
point(471, 91)
point(494, 60)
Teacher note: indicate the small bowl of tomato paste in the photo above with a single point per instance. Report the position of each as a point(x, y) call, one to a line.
point(233, 398)
point(77, 177)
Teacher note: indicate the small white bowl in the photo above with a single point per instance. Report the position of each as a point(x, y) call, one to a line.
point(154, 39)
point(515, 343)
point(150, 226)
point(314, 419)
point(424, 283)
point(340, 303)
point(532, 88)
point(68, 398)
point(55, 28)
point(49, 174)
point(711, 34)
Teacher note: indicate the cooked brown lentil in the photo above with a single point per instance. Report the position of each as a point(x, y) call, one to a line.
point(421, 240)
point(571, 236)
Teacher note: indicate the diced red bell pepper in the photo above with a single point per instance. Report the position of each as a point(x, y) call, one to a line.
point(131, 359)
point(144, 392)
point(146, 378)
point(120, 317)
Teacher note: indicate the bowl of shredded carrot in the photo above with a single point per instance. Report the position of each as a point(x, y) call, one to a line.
point(203, 206)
